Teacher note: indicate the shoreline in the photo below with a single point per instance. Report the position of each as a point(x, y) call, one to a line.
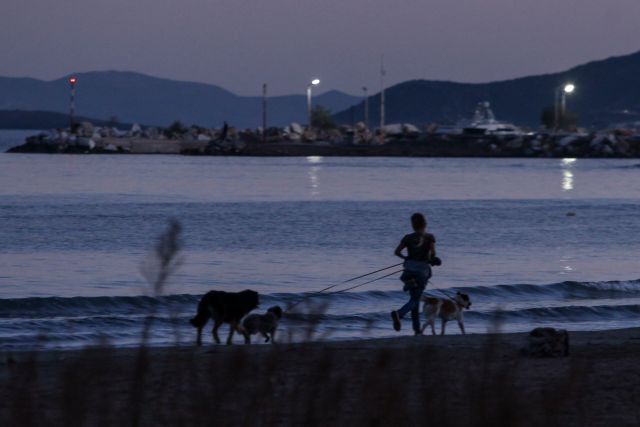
point(402, 339)
point(480, 379)
point(472, 339)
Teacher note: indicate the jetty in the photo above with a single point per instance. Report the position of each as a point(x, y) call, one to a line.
point(395, 140)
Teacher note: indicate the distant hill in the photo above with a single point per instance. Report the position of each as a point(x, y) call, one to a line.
point(138, 98)
point(607, 91)
point(19, 119)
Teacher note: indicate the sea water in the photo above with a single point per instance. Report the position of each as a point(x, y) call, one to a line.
point(532, 241)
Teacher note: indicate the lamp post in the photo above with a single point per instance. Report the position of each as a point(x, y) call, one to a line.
point(72, 100)
point(264, 112)
point(314, 82)
point(383, 73)
point(568, 89)
point(561, 102)
point(366, 107)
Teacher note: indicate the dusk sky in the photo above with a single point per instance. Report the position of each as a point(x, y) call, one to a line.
point(238, 44)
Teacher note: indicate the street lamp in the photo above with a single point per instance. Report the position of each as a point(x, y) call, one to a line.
point(314, 82)
point(568, 89)
point(561, 99)
point(366, 107)
point(72, 100)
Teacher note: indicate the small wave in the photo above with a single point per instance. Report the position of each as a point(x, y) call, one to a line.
point(575, 313)
point(568, 289)
point(36, 307)
point(125, 329)
point(50, 307)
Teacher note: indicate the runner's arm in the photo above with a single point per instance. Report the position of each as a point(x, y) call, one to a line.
point(400, 248)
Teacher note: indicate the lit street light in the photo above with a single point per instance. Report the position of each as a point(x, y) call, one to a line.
point(72, 100)
point(560, 104)
point(314, 82)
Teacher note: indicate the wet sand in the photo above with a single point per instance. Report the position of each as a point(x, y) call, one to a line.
point(451, 380)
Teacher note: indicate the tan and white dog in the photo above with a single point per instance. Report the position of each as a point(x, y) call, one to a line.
point(446, 310)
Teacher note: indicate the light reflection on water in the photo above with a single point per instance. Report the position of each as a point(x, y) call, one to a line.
point(314, 159)
point(567, 180)
point(567, 174)
point(314, 180)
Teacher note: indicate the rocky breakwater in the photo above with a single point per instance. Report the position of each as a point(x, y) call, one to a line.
point(86, 138)
point(296, 140)
point(408, 140)
point(89, 139)
point(618, 143)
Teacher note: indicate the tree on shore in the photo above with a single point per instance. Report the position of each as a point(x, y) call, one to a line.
point(322, 119)
point(176, 128)
point(566, 121)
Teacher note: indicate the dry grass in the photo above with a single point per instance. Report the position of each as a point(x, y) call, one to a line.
point(292, 384)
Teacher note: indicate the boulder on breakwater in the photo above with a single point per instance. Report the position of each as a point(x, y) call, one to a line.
point(358, 140)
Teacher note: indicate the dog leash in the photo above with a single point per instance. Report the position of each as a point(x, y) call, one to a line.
point(324, 290)
point(366, 283)
point(363, 284)
point(355, 278)
point(374, 272)
point(441, 291)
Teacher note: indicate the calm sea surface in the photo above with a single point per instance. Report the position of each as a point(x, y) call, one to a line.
point(74, 231)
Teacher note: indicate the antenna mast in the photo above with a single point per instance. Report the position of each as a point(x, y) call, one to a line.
point(382, 74)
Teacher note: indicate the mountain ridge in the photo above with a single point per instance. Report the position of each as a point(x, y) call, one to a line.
point(608, 90)
point(139, 98)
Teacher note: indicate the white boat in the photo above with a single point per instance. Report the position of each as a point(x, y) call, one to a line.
point(485, 123)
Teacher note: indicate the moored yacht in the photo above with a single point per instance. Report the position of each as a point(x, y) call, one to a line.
point(485, 123)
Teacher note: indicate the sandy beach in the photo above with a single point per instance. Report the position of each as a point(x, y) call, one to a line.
point(451, 380)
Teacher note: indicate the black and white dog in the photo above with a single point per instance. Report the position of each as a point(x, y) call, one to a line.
point(224, 307)
point(264, 324)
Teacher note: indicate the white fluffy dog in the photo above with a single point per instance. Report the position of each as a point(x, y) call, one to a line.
point(264, 324)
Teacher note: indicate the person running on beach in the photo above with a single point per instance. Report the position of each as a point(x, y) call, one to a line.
point(421, 251)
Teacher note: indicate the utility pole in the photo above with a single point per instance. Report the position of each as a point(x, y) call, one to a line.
point(72, 100)
point(366, 107)
point(556, 110)
point(382, 74)
point(309, 106)
point(560, 103)
point(264, 112)
point(314, 82)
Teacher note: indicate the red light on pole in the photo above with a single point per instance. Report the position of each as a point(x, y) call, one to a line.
point(72, 101)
